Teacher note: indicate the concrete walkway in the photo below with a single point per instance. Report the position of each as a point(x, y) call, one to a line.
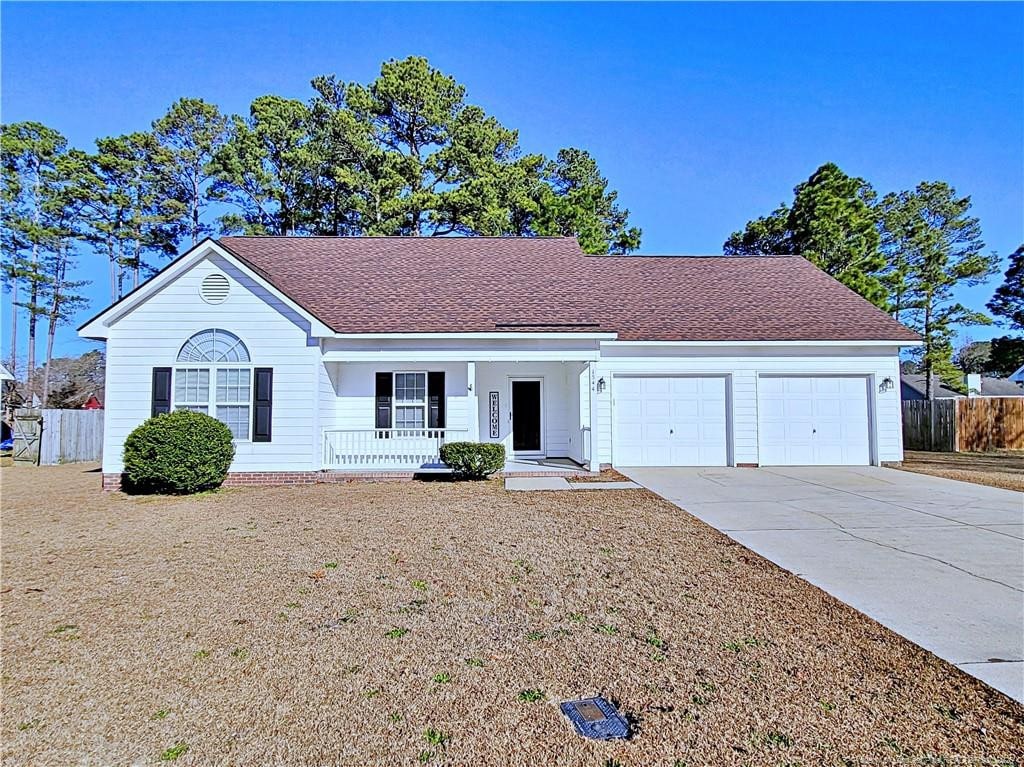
point(938, 561)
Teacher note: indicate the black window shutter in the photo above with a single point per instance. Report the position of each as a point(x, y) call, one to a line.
point(262, 404)
point(435, 400)
point(161, 401)
point(383, 400)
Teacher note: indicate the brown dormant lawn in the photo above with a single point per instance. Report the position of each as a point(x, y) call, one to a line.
point(1003, 469)
point(403, 623)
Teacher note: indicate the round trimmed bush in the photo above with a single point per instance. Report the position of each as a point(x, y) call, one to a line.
point(473, 460)
point(180, 452)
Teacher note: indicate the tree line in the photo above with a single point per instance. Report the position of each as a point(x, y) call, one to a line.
point(406, 155)
point(905, 252)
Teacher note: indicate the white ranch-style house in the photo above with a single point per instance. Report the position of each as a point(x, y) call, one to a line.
point(337, 357)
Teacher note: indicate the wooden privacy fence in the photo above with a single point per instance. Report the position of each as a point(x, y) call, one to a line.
point(990, 423)
point(49, 436)
point(969, 424)
point(929, 425)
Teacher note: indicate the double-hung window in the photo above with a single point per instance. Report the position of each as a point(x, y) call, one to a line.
point(410, 400)
point(192, 389)
point(234, 399)
point(214, 376)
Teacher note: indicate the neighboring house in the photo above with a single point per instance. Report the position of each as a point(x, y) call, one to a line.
point(1018, 376)
point(5, 376)
point(361, 355)
point(92, 402)
point(1001, 387)
point(5, 428)
point(913, 388)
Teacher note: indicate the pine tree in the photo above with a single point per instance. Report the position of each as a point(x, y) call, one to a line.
point(831, 223)
point(191, 133)
point(266, 169)
point(30, 152)
point(127, 203)
point(939, 247)
point(1008, 301)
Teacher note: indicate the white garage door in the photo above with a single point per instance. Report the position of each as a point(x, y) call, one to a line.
point(813, 421)
point(670, 421)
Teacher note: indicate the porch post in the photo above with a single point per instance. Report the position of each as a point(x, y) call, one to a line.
point(593, 462)
point(472, 403)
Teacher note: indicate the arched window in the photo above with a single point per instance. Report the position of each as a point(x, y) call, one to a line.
point(214, 345)
point(214, 377)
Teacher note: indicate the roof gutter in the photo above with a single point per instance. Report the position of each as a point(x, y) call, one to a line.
point(793, 342)
point(499, 335)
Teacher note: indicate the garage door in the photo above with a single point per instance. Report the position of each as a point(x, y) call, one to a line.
point(670, 421)
point(813, 421)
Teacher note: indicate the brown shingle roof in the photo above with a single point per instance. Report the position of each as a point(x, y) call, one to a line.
point(482, 284)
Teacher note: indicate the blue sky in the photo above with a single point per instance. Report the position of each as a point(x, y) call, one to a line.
point(702, 116)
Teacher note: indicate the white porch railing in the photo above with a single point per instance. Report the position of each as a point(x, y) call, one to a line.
point(386, 449)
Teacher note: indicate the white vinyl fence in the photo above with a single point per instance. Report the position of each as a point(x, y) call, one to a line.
point(65, 436)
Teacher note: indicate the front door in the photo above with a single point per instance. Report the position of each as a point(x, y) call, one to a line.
point(526, 416)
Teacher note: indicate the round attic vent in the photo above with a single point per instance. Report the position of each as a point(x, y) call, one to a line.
point(215, 288)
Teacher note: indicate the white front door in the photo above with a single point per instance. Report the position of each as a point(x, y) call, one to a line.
point(670, 421)
point(813, 421)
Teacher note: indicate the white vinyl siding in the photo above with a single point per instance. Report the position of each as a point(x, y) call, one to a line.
point(153, 333)
point(578, 407)
point(327, 375)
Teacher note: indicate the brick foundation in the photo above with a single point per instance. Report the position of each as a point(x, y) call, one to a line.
point(112, 482)
point(268, 478)
point(247, 478)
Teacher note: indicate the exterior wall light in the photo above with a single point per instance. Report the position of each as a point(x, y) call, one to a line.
point(600, 384)
point(887, 385)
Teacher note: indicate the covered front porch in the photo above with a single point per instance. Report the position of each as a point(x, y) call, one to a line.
point(393, 412)
point(419, 452)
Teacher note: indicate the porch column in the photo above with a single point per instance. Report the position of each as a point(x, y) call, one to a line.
point(472, 402)
point(592, 454)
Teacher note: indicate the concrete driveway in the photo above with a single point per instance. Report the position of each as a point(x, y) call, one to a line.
point(940, 562)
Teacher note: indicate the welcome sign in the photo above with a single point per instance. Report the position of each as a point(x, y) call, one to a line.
point(493, 399)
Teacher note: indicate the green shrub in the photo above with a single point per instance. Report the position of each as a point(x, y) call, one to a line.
point(473, 460)
point(179, 452)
